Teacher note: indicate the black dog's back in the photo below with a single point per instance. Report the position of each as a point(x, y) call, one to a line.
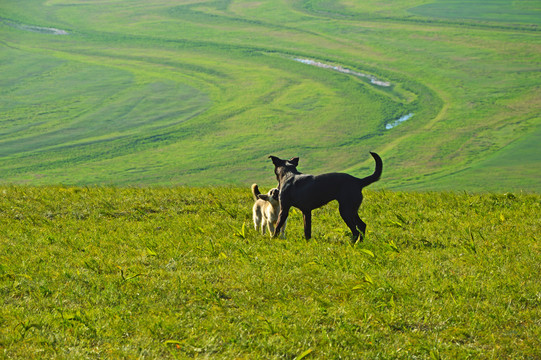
point(310, 192)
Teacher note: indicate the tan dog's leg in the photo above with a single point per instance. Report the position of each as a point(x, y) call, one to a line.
point(259, 224)
point(270, 226)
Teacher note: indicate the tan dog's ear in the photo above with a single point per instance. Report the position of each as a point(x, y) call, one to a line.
point(263, 197)
point(294, 161)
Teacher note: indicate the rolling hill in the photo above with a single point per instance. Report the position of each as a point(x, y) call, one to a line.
point(201, 92)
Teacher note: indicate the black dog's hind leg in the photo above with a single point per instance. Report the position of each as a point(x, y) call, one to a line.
point(361, 225)
point(352, 220)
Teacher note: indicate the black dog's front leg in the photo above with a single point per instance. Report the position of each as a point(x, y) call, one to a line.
point(282, 217)
point(307, 215)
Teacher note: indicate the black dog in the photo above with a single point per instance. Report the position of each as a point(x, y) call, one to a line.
point(309, 192)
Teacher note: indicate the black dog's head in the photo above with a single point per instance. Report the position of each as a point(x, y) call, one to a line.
point(282, 167)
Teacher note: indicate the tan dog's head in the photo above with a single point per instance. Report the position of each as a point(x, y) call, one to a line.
point(271, 196)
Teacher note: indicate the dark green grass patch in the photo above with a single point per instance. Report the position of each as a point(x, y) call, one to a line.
point(523, 12)
point(512, 165)
point(107, 272)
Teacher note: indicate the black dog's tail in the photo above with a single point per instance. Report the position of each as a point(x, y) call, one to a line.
point(377, 172)
point(255, 191)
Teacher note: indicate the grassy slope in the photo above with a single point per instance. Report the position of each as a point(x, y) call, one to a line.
point(164, 92)
point(179, 272)
point(523, 12)
point(513, 165)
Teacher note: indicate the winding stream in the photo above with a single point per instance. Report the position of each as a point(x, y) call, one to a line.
point(374, 80)
point(398, 121)
point(36, 29)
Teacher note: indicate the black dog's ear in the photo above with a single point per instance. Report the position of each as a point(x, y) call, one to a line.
point(276, 161)
point(294, 161)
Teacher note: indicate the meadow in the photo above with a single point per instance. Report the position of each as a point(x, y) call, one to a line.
point(157, 115)
point(198, 92)
point(179, 272)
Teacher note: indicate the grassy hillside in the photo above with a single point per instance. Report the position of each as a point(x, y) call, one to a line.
point(176, 273)
point(201, 92)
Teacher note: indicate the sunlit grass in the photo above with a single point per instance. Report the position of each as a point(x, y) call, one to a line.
point(180, 272)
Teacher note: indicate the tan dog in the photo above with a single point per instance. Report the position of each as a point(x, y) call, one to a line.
point(265, 210)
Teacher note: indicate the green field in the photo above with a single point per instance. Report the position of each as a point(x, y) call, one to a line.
point(513, 12)
point(170, 92)
point(178, 273)
point(131, 130)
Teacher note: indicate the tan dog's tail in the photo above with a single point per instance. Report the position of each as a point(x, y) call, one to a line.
point(255, 191)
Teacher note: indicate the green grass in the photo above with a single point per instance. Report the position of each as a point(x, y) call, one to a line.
point(174, 273)
point(527, 12)
point(165, 92)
